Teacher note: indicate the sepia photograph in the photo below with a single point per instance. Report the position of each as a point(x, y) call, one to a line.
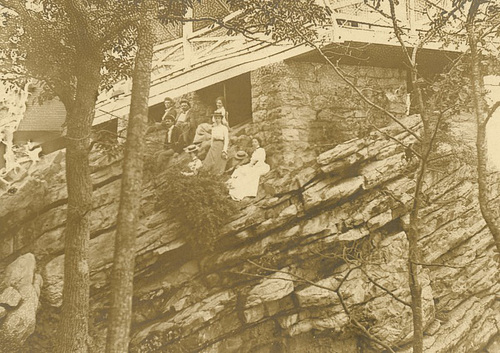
point(250, 176)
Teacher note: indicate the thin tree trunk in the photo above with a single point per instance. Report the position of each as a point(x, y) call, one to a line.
point(481, 112)
point(413, 260)
point(131, 189)
point(75, 308)
point(412, 235)
point(492, 221)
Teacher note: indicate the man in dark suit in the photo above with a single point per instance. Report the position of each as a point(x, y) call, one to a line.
point(174, 142)
point(186, 121)
point(169, 108)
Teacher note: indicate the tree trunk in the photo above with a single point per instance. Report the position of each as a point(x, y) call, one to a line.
point(413, 260)
point(414, 256)
point(488, 213)
point(131, 189)
point(75, 307)
point(481, 112)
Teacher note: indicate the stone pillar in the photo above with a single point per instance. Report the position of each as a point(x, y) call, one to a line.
point(303, 108)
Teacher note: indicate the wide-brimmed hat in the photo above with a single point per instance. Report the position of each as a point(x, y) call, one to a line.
point(168, 99)
point(192, 148)
point(185, 101)
point(241, 155)
point(217, 114)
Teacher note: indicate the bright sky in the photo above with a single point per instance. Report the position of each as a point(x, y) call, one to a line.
point(493, 133)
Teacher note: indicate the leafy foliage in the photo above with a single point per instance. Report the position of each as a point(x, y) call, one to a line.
point(40, 42)
point(105, 142)
point(281, 19)
point(200, 204)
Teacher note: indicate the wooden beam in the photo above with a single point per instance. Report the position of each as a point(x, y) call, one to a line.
point(187, 32)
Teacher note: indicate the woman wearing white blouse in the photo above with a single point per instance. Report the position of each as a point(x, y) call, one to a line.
point(219, 103)
point(245, 179)
point(216, 159)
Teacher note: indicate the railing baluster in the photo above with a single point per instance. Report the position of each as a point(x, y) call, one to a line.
point(411, 16)
point(187, 31)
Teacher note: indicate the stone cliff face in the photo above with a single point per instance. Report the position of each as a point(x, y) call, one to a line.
point(292, 271)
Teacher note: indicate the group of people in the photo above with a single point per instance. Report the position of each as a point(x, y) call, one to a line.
point(182, 131)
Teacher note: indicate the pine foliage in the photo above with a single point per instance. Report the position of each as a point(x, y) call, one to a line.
point(199, 204)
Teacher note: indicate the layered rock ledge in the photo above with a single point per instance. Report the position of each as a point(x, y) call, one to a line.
point(337, 225)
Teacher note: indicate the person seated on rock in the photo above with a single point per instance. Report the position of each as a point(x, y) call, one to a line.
point(203, 133)
point(245, 179)
point(169, 108)
point(174, 142)
point(195, 164)
point(240, 158)
point(203, 139)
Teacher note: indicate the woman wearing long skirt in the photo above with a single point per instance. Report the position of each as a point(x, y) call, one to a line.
point(216, 159)
point(245, 179)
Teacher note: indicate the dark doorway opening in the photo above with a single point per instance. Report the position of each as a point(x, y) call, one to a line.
point(237, 93)
point(155, 112)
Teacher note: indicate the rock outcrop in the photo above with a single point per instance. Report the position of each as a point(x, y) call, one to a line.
point(19, 303)
point(293, 271)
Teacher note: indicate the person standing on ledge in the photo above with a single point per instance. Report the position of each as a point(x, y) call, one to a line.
point(219, 103)
point(186, 122)
point(216, 159)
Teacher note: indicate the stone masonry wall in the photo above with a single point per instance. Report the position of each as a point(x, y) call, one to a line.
point(302, 108)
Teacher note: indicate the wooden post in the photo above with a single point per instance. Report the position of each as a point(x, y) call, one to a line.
point(410, 12)
point(187, 31)
point(334, 31)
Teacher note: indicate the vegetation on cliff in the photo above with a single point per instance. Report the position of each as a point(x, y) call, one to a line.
point(199, 204)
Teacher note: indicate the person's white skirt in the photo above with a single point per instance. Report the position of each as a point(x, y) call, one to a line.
point(245, 180)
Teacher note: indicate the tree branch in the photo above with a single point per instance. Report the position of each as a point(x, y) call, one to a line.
point(491, 111)
point(358, 325)
point(362, 96)
point(245, 31)
point(386, 290)
point(353, 320)
point(302, 279)
point(118, 24)
point(14, 5)
point(409, 147)
point(87, 28)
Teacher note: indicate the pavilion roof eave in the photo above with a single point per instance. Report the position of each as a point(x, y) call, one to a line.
point(193, 79)
point(175, 78)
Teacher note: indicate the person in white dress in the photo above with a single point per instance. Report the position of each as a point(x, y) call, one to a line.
point(244, 181)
